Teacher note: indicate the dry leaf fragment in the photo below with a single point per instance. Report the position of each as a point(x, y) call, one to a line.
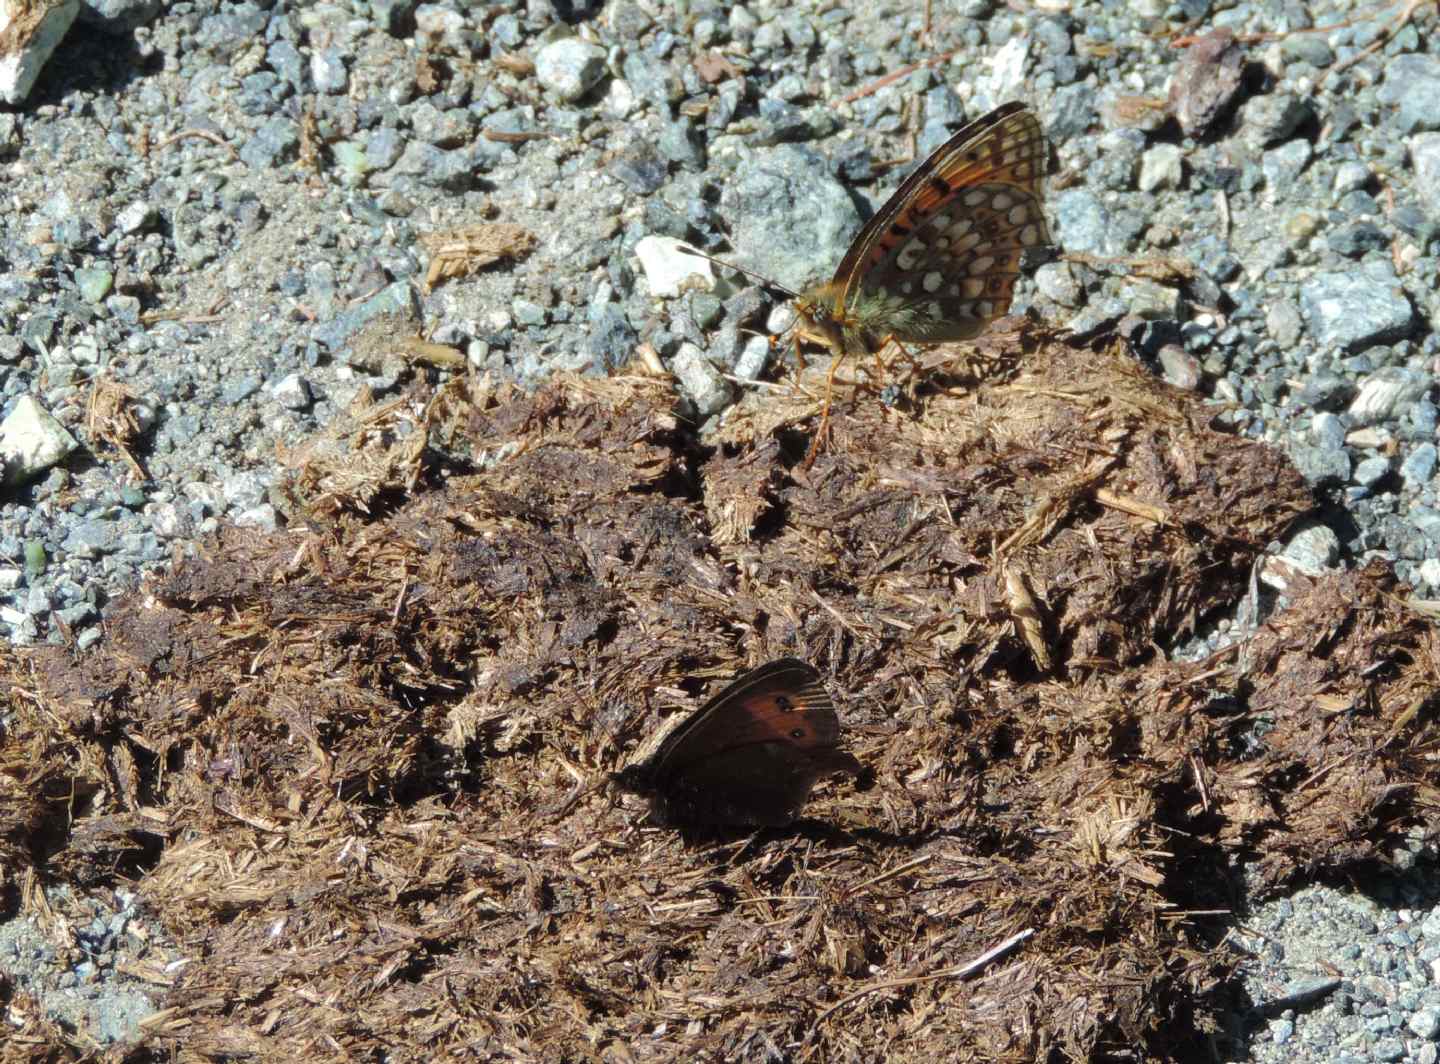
point(461, 252)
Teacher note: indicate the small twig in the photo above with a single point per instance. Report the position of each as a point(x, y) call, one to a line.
point(154, 317)
point(1411, 6)
point(835, 613)
point(1198, 768)
point(399, 602)
point(777, 897)
point(203, 134)
point(752, 382)
point(518, 136)
point(896, 871)
point(958, 972)
point(896, 75)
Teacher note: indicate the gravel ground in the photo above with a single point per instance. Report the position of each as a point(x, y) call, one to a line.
point(209, 204)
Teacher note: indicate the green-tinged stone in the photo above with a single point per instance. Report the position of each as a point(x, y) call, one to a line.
point(94, 283)
point(35, 559)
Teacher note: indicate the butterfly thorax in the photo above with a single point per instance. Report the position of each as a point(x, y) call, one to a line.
point(821, 318)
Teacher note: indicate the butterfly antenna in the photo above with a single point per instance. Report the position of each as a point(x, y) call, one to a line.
point(790, 293)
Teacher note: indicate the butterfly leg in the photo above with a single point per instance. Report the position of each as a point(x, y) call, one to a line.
point(912, 363)
point(822, 430)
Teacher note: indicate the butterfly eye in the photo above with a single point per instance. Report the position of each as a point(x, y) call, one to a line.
point(798, 733)
point(783, 704)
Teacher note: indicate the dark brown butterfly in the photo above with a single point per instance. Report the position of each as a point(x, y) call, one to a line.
point(749, 755)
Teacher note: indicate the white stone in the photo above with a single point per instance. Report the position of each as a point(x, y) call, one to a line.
point(753, 357)
point(33, 29)
point(31, 441)
point(1160, 168)
point(620, 99)
point(209, 496)
point(292, 391)
point(169, 520)
point(667, 267)
point(1384, 392)
point(1007, 69)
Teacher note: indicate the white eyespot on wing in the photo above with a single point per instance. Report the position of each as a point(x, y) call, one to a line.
point(967, 243)
point(932, 281)
point(973, 287)
point(1002, 201)
point(976, 197)
point(1019, 214)
point(959, 229)
point(981, 265)
point(1030, 236)
point(910, 254)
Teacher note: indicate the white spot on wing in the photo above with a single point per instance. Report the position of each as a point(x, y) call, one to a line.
point(932, 281)
point(909, 255)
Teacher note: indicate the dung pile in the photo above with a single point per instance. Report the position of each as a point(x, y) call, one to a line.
point(349, 764)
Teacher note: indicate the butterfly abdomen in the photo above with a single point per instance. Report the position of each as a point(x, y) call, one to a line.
point(878, 316)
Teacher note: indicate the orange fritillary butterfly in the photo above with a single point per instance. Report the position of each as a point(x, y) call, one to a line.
point(938, 261)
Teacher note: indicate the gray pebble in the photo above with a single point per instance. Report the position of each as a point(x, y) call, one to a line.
point(1412, 84)
point(1282, 166)
point(1370, 471)
point(1356, 308)
point(275, 141)
point(1418, 467)
point(792, 218)
point(568, 69)
point(1082, 223)
point(1425, 158)
point(701, 382)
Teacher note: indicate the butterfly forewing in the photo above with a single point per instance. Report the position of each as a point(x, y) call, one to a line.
point(939, 260)
point(750, 755)
point(781, 700)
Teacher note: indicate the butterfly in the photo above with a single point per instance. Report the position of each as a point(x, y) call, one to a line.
point(938, 261)
point(750, 755)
